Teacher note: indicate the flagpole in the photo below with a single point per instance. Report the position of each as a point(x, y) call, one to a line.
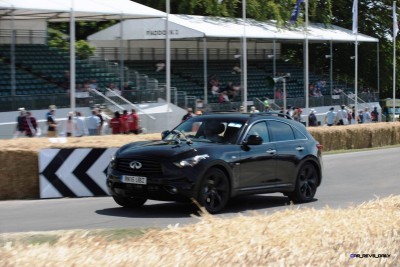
point(168, 63)
point(244, 58)
point(306, 64)
point(395, 29)
point(355, 31)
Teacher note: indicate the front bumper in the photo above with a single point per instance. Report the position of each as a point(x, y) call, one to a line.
point(180, 188)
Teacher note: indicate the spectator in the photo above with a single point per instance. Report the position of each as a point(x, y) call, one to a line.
point(297, 114)
point(98, 114)
point(80, 125)
point(124, 118)
point(29, 124)
point(69, 125)
point(19, 130)
point(116, 123)
point(278, 94)
point(93, 123)
point(312, 119)
point(254, 110)
point(236, 69)
point(93, 84)
point(330, 117)
point(160, 66)
point(342, 116)
point(375, 115)
point(223, 97)
point(367, 116)
point(188, 115)
point(51, 122)
point(133, 122)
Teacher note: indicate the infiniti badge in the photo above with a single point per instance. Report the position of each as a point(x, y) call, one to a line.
point(135, 165)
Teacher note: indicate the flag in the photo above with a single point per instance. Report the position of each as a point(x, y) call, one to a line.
point(295, 12)
point(395, 24)
point(355, 16)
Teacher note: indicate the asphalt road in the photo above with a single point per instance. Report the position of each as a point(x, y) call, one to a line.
point(349, 179)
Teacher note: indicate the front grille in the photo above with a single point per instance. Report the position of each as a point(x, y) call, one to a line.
point(148, 166)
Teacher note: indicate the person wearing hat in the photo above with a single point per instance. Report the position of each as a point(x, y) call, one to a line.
point(330, 117)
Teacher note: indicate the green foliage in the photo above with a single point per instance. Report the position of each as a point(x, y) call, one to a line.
point(61, 41)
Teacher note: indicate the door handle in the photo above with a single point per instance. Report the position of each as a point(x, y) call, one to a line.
point(300, 148)
point(271, 151)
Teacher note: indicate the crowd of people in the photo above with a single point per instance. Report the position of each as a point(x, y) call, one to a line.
point(77, 125)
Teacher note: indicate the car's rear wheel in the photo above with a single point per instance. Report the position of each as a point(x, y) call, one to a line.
point(214, 190)
point(306, 184)
point(129, 202)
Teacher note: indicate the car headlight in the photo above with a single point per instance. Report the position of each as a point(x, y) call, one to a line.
point(113, 162)
point(191, 161)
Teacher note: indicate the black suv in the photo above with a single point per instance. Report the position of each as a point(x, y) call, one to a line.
point(214, 157)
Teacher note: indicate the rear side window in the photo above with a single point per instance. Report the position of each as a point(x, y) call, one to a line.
point(280, 131)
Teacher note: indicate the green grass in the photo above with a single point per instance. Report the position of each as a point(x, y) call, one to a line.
point(52, 238)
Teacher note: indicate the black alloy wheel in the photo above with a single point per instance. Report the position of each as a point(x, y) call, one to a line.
point(214, 191)
point(306, 184)
point(129, 202)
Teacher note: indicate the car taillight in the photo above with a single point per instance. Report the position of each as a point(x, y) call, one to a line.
point(320, 147)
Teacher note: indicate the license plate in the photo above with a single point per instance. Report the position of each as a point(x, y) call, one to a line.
point(134, 179)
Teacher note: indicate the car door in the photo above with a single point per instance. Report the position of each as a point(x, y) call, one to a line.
point(290, 149)
point(257, 162)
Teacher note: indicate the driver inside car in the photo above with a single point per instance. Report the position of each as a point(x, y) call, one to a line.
point(212, 131)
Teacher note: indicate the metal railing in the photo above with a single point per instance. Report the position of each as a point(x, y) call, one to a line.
point(112, 53)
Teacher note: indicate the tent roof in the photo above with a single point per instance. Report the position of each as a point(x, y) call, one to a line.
point(189, 26)
point(59, 10)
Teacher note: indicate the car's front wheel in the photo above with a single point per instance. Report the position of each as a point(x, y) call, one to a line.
point(129, 202)
point(214, 191)
point(306, 184)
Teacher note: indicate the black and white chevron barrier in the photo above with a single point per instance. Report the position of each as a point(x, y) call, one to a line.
point(79, 172)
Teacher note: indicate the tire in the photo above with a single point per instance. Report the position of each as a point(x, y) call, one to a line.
point(306, 184)
point(214, 191)
point(129, 202)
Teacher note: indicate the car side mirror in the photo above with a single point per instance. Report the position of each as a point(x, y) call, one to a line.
point(254, 140)
point(164, 134)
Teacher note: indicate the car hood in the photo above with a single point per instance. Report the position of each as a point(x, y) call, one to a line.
point(164, 149)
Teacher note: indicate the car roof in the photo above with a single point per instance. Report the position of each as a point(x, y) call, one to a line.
point(247, 116)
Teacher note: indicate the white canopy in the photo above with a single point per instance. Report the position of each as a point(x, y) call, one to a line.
point(188, 26)
point(59, 10)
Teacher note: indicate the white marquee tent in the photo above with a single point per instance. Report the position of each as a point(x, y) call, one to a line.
point(189, 26)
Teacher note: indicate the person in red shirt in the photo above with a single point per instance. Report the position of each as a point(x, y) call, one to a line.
point(124, 118)
point(116, 123)
point(29, 125)
point(133, 122)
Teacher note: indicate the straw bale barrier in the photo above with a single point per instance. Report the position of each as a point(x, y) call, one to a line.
point(19, 157)
point(365, 235)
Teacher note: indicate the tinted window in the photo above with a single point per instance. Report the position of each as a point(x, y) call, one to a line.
point(298, 134)
point(280, 131)
point(261, 130)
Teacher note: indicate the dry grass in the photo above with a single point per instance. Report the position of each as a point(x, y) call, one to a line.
point(293, 237)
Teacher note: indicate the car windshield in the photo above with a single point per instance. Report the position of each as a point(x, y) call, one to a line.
point(206, 129)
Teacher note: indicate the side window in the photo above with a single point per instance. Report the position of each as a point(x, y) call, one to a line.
point(260, 129)
point(298, 134)
point(280, 131)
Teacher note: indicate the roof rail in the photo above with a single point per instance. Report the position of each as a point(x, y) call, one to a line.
point(272, 113)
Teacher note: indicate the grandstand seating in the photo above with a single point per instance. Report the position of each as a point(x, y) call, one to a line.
point(188, 76)
point(45, 67)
